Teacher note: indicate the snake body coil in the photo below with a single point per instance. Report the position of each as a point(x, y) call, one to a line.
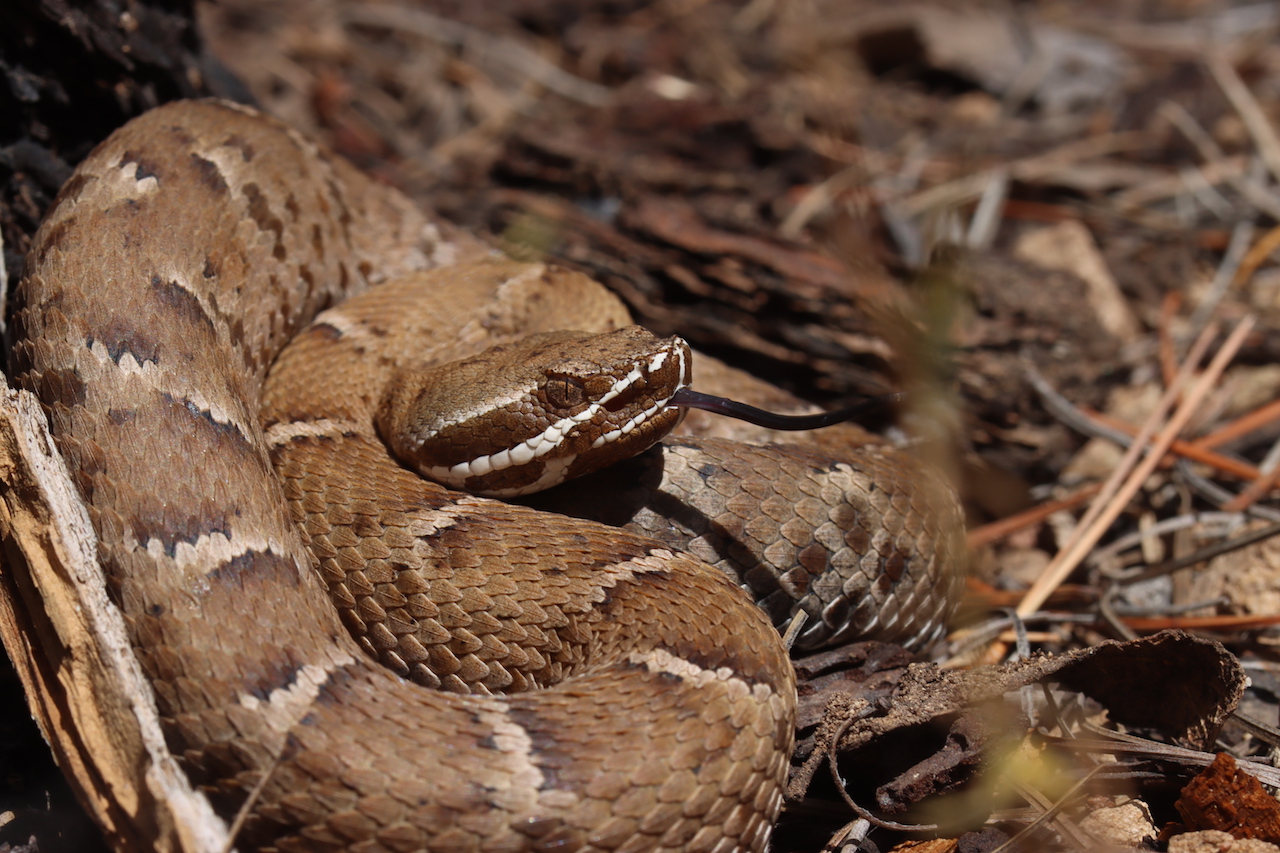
point(179, 260)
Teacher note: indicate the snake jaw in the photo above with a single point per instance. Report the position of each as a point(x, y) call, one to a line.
point(559, 405)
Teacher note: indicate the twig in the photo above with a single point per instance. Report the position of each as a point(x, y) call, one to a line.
point(1071, 414)
point(1225, 275)
point(1269, 474)
point(1255, 120)
point(1227, 520)
point(1255, 193)
point(793, 628)
point(1255, 256)
point(246, 809)
point(1186, 449)
point(1168, 355)
point(1255, 420)
point(1080, 840)
point(1114, 496)
point(1217, 495)
point(1164, 752)
point(860, 811)
point(1228, 622)
point(506, 51)
point(855, 831)
point(987, 215)
point(1001, 528)
point(1200, 555)
point(970, 187)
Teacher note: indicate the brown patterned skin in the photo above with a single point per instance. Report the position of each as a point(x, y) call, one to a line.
point(867, 544)
point(180, 258)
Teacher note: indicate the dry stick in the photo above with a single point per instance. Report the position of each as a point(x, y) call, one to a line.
point(1186, 449)
point(1253, 191)
point(1002, 527)
point(1168, 350)
point(1225, 275)
point(1243, 425)
point(969, 187)
point(1268, 476)
point(1255, 120)
point(1253, 258)
point(1109, 508)
point(1201, 623)
point(507, 51)
point(1054, 573)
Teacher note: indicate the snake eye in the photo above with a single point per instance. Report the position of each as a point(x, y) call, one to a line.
point(564, 392)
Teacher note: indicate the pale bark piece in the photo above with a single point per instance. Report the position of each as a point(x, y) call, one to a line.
point(68, 644)
point(1069, 246)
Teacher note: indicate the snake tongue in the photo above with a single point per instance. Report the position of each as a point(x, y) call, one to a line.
point(687, 398)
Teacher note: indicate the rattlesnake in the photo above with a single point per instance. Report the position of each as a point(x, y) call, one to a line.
point(178, 261)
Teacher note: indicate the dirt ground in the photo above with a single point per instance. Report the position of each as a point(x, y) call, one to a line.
point(1053, 223)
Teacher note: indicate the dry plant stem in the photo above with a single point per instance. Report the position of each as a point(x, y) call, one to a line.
point(1263, 732)
point(850, 836)
point(507, 51)
point(1066, 560)
point(1079, 839)
point(1168, 352)
point(989, 212)
point(1163, 752)
point(1226, 522)
point(1224, 276)
point(1265, 482)
point(1187, 449)
point(1151, 624)
point(970, 187)
point(860, 811)
point(1218, 496)
point(1070, 414)
point(1218, 162)
point(1114, 496)
point(1255, 120)
point(1254, 258)
point(1113, 619)
point(1257, 419)
point(997, 530)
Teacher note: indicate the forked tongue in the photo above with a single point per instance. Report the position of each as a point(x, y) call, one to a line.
point(689, 399)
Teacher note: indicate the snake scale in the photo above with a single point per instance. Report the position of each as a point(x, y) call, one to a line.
point(178, 261)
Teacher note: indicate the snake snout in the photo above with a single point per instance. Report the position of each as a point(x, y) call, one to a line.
point(554, 406)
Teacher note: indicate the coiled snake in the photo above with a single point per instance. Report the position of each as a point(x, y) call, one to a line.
point(178, 261)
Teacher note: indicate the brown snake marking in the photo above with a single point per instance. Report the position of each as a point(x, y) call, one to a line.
point(178, 261)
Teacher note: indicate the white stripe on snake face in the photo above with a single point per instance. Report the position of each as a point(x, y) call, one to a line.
point(551, 437)
point(553, 474)
point(625, 429)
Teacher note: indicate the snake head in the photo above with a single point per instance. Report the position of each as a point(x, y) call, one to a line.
point(526, 416)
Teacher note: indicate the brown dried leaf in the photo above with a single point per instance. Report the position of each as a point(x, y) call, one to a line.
point(1177, 684)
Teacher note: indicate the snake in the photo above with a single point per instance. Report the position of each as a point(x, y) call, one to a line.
point(346, 655)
